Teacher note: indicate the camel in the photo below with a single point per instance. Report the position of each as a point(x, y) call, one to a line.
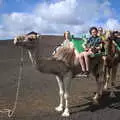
point(63, 72)
point(111, 63)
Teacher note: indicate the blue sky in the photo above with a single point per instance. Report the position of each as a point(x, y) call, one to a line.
point(10, 6)
point(56, 16)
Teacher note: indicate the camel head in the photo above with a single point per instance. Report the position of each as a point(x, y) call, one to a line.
point(112, 35)
point(116, 34)
point(28, 41)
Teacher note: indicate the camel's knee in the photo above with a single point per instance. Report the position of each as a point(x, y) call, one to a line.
point(107, 76)
point(66, 96)
point(61, 92)
point(104, 58)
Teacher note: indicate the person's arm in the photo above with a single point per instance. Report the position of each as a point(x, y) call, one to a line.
point(100, 44)
point(118, 36)
point(97, 45)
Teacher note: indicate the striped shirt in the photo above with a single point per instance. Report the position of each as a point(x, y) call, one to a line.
point(94, 41)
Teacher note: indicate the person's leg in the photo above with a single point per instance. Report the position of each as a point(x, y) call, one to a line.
point(82, 62)
point(86, 57)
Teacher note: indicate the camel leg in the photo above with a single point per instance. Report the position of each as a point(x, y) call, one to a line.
point(113, 75)
point(98, 73)
point(100, 83)
point(113, 78)
point(96, 96)
point(67, 83)
point(61, 92)
point(107, 78)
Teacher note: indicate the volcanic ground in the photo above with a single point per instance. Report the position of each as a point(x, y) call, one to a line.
point(38, 94)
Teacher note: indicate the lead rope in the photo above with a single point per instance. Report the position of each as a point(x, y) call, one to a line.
point(10, 112)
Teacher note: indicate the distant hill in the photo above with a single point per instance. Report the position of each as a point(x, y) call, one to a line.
point(43, 38)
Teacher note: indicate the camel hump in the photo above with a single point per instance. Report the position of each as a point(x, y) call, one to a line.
point(66, 55)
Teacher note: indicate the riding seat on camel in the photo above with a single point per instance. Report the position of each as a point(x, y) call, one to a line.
point(68, 55)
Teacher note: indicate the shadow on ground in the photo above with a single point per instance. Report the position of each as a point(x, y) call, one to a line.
point(107, 101)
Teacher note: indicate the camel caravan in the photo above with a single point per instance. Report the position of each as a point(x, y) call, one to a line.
point(98, 54)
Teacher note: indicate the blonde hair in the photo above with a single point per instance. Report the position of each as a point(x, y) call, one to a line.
point(67, 32)
point(107, 34)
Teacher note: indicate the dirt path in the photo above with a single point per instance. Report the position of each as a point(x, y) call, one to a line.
point(39, 92)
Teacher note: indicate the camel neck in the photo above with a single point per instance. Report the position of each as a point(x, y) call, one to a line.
point(34, 55)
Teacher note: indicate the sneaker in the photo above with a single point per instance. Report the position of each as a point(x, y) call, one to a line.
point(86, 73)
point(80, 74)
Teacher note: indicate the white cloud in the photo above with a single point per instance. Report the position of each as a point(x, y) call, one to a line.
point(112, 24)
point(55, 18)
point(74, 12)
point(106, 10)
point(19, 23)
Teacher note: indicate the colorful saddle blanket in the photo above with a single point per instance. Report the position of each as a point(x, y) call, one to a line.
point(79, 45)
point(117, 45)
point(67, 55)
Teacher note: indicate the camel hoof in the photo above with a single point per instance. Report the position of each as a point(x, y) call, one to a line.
point(113, 84)
point(95, 102)
point(59, 109)
point(95, 96)
point(112, 95)
point(95, 99)
point(105, 87)
point(66, 113)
